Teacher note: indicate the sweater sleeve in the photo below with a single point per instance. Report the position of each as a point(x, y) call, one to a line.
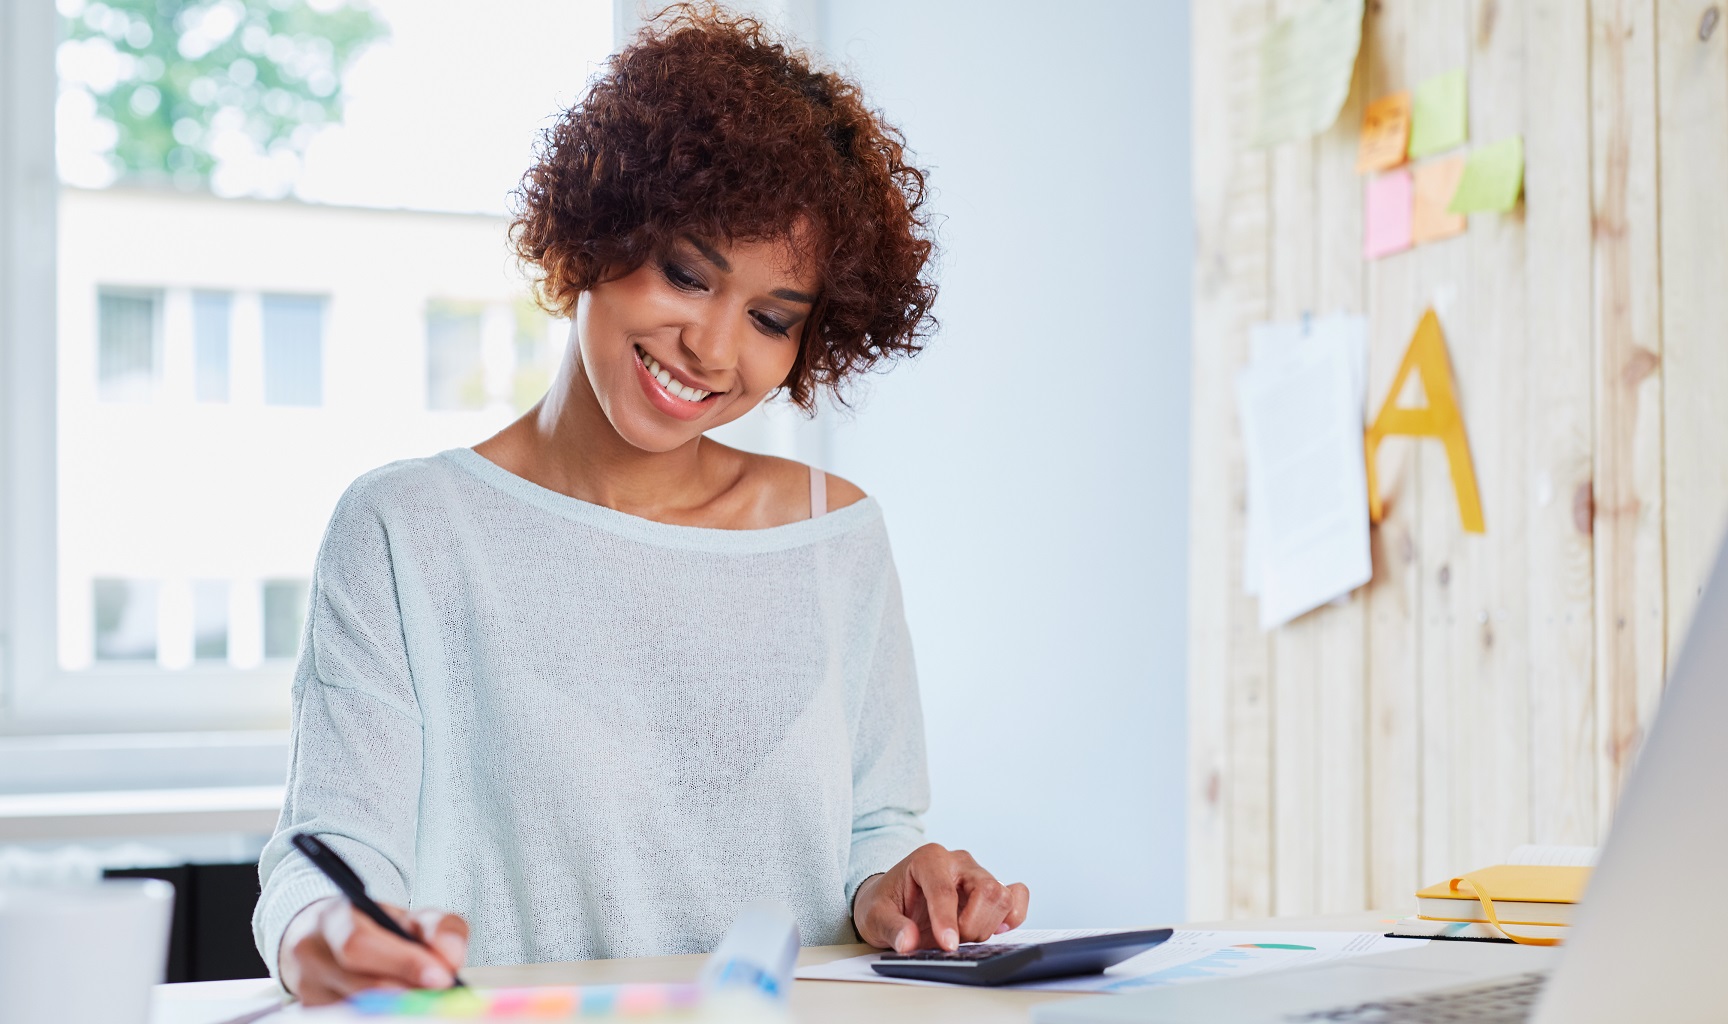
point(354, 767)
point(890, 781)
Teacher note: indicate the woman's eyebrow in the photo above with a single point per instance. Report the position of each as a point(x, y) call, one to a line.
point(709, 254)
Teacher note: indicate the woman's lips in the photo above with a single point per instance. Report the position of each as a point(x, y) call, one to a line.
point(664, 400)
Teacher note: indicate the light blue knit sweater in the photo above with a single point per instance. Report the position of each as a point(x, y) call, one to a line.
point(590, 734)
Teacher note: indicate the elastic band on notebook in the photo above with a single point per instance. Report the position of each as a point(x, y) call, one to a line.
point(1493, 918)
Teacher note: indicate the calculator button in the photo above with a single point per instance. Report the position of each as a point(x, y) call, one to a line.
point(969, 953)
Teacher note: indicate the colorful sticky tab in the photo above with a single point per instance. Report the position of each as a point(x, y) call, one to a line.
point(553, 1002)
point(1386, 218)
point(1492, 179)
point(1385, 133)
point(1436, 181)
point(1438, 114)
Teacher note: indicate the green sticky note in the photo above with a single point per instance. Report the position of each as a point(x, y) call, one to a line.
point(1438, 119)
point(1492, 179)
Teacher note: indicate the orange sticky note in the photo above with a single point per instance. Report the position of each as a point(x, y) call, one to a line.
point(1385, 133)
point(1435, 183)
point(1439, 419)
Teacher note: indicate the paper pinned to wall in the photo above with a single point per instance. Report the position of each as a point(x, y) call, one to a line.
point(1306, 61)
point(1386, 220)
point(1302, 400)
point(1439, 114)
point(1436, 183)
point(1274, 344)
point(1492, 179)
point(1385, 133)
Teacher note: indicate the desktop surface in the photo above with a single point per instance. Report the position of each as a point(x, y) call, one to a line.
point(830, 1002)
point(839, 1002)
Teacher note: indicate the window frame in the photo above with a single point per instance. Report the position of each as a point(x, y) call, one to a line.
point(36, 694)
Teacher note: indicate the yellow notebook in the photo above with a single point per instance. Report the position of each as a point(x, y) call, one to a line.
point(1511, 894)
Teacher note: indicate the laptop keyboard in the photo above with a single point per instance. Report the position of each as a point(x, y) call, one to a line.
point(1510, 1001)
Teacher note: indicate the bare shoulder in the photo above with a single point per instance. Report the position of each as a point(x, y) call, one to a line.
point(842, 492)
point(776, 490)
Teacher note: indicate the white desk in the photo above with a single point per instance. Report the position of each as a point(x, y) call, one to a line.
point(827, 1002)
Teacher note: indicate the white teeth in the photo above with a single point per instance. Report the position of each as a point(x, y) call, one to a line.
point(676, 388)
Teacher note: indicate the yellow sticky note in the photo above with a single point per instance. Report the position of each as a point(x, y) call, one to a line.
point(1306, 61)
point(1436, 182)
point(1492, 179)
point(1439, 114)
point(1385, 133)
point(1440, 419)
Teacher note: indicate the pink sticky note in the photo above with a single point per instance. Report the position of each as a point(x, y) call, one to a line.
point(1391, 197)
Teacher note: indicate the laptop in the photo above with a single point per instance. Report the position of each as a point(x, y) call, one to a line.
point(1630, 957)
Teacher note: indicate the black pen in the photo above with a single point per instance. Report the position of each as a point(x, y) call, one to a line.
point(337, 870)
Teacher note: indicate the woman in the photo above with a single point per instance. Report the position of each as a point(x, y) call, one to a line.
point(595, 683)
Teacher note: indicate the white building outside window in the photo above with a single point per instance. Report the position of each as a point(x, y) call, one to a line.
point(239, 339)
point(233, 351)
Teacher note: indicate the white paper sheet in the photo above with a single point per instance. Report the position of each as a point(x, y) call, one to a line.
point(1187, 956)
point(217, 1002)
point(1302, 400)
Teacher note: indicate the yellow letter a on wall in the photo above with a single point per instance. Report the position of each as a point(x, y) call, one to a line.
point(1441, 419)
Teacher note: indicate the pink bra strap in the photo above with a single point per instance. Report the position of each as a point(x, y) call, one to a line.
point(818, 492)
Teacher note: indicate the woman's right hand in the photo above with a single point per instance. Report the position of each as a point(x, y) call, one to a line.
point(331, 951)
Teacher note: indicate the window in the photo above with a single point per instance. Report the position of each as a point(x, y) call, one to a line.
point(128, 355)
point(455, 378)
point(210, 315)
point(489, 356)
point(125, 620)
point(293, 350)
point(284, 615)
point(539, 345)
point(258, 205)
point(210, 620)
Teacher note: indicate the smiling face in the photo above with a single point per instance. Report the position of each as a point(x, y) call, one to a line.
point(694, 338)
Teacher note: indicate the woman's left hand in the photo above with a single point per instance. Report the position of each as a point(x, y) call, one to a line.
point(936, 897)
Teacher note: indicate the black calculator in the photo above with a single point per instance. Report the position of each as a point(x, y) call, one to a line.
point(1004, 963)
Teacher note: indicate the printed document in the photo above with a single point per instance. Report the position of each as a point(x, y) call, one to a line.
point(1187, 956)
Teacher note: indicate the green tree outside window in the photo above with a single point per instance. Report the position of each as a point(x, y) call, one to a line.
point(184, 82)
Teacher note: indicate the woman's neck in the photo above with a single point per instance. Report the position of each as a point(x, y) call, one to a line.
point(566, 444)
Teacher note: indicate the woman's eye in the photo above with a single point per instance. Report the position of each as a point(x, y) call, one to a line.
point(773, 326)
point(680, 277)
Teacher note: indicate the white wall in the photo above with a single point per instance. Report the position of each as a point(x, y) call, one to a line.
point(1033, 463)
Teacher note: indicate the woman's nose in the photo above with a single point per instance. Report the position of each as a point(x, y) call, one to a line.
point(714, 344)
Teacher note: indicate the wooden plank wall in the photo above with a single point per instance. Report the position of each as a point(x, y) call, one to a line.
point(1481, 691)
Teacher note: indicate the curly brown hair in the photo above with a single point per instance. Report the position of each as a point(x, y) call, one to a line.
point(708, 125)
